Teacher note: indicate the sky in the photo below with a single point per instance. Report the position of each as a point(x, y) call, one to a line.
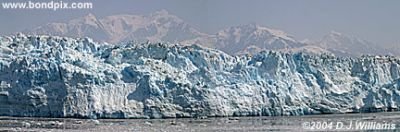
point(373, 20)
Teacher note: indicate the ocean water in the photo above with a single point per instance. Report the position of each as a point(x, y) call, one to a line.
point(331, 122)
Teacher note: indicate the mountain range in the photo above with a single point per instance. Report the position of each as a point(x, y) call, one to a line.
point(242, 39)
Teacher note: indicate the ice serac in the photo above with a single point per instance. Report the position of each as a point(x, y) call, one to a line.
point(50, 76)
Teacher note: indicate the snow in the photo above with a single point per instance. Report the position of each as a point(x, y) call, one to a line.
point(154, 27)
point(234, 40)
point(277, 33)
point(344, 45)
point(249, 38)
point(50, 76)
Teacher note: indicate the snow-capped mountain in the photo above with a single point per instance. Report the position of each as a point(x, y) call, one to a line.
point(162, 26)
point(49, 76)
point(158, 26)
point(88, 25)
point(242, 39)
point(235, 39)
point(343, 45)
point(253, 38)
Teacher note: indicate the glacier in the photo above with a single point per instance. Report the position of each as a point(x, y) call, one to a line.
point(50, 76)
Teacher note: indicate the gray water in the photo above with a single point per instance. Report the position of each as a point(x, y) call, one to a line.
point(331, 122)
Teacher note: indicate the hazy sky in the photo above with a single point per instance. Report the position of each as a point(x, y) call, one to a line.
point(373, 20)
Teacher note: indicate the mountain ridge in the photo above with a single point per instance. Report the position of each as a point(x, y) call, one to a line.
point(242, 39)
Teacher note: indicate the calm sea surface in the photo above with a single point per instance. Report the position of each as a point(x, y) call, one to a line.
point(332, 122)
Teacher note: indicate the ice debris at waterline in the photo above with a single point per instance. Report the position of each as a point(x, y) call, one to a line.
point(50, 76)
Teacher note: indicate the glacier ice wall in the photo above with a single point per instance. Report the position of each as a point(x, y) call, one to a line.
point(50, 76)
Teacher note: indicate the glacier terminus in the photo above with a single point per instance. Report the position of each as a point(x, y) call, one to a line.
point(50, 76)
